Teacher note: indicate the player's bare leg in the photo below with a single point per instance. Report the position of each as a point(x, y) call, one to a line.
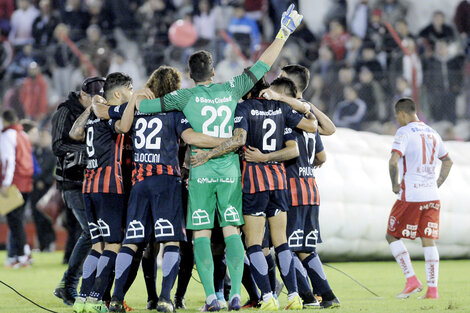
point(431, 258)
point(277, 227)
point(401, 255)
point(258, 264)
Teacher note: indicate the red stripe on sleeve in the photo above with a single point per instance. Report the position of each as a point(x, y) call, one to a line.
point(293, 192)
point(311, 189)
point(96, 184)
point(280, 177)
point(259, 176)
point(397, 151)
point(252, 181)
point(269, 175)
point(303, 187)
point(107, 179)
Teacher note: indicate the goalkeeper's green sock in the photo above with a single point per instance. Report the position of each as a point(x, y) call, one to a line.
point(205, 264)
point(235, 254)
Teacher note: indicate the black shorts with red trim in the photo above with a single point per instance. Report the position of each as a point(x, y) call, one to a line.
point(303, 228)
point(106, 213)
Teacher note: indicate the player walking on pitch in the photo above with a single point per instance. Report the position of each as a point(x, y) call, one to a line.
point(415, 150)
point(210, 108)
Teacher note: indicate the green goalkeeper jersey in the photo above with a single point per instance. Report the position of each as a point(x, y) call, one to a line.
point(210, 109)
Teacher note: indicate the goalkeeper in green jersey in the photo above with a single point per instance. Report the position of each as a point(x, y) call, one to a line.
point(215, 186)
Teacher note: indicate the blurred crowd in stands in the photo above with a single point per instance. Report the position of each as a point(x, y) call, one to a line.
point(358, 66)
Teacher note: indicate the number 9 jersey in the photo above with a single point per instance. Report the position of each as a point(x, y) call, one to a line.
point(155, 139)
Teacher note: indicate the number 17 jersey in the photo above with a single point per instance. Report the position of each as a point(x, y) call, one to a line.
point(419, 147)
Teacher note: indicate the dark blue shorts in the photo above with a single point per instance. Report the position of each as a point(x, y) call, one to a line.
point(303, 228)
point(265, 203)
point(106, 213)
point(155, 210)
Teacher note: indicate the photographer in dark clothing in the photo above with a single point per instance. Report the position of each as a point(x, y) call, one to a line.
point(71, 162)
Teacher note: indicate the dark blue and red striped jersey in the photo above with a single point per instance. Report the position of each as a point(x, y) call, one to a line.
point(104, 149)
point(265, 122)
point(155, 140)
point(303, 189)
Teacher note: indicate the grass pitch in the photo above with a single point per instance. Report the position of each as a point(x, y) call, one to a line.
point(384, 278)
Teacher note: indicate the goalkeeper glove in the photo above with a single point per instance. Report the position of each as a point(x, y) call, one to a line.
point(290, 20)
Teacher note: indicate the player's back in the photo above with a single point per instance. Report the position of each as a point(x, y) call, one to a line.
point(420, 147)
point(104, 151)
point(155, 142)
point(265, 122)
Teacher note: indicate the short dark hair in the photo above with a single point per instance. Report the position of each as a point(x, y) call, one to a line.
point(299, 74)
point(116, 80)
point(10, 116)
point(406, 105)
point(287, 84)
point(200, 66)
point(28, 125)
point(257, 88)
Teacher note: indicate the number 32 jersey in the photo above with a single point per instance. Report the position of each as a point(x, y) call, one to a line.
point(419, 147)
point(155, 139)
point(265, 123)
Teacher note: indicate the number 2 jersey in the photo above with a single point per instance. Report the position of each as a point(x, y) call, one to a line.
point(419, 147)
point(104, 149)
point(265, 122)
point(156, 142)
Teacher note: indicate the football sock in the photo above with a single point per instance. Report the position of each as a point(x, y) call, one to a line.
point(286, 264)
point(134, 269)
point(400, 253)
point(220, 268)
point(205, 265)
point(89, 273)
point(186, 268)
point(104, 269)
point(317, 276)
point(123, 268)
point(235, 253)
point(271, 271)
point(248, 282)
point(431, 257)
point(259, 269)
point(170, 267)
point(302, 279)
point(149, 269)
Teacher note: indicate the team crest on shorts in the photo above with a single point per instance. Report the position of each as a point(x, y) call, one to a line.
point(231, 214)
point(200, 217)
point(296, 239)
point(135, 229)
point(391, 223)
point(163, 228)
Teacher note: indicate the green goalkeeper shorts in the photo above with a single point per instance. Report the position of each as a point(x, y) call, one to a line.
point(207, 194)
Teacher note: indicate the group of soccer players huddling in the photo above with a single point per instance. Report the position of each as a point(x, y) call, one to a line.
point(134, 187)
